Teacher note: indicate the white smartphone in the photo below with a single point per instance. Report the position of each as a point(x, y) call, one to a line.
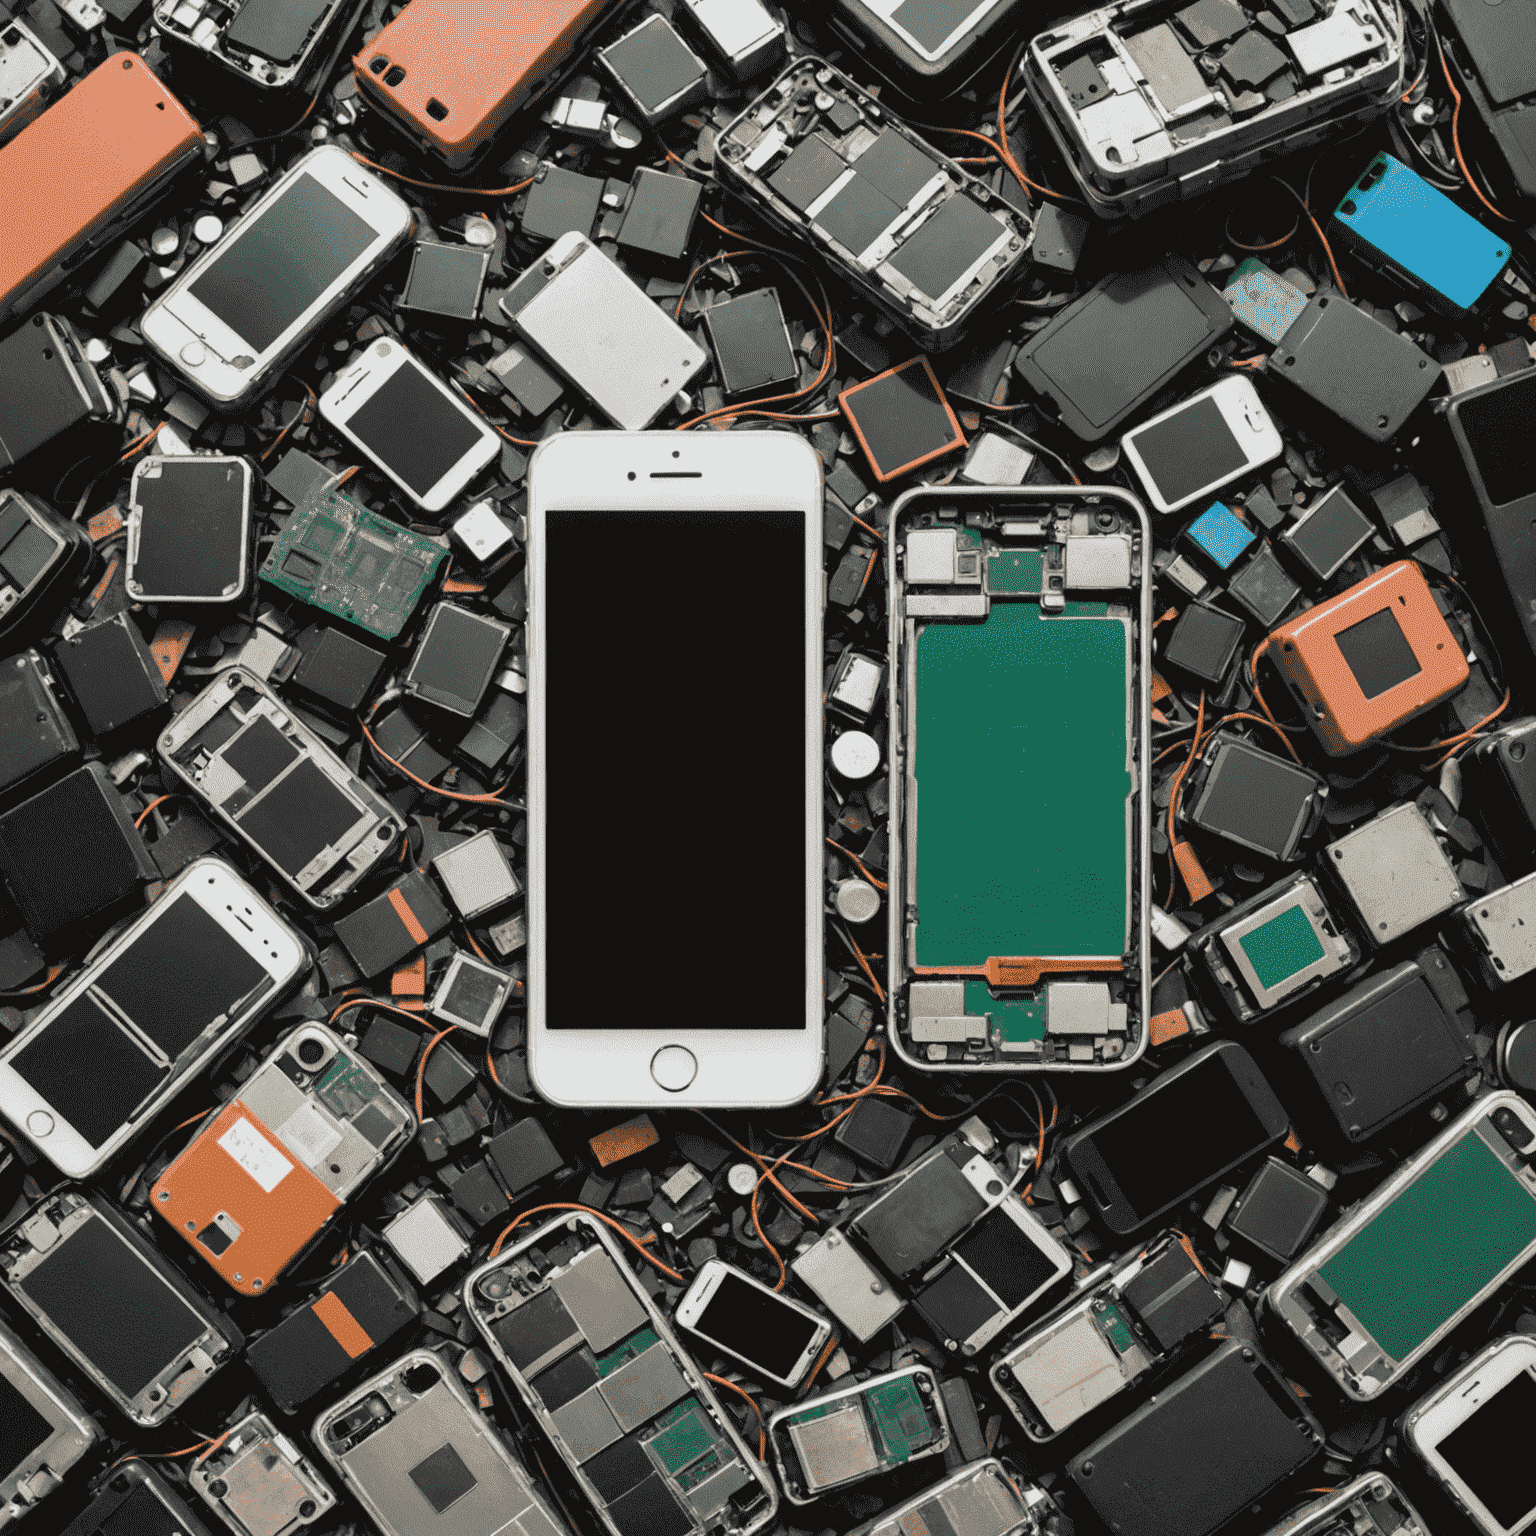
point(1474, 1433)
point(235, 317)
point(426, 439)
point(674, 632)
point(1202, 443)
point(152, 1009)
point(774, 1337)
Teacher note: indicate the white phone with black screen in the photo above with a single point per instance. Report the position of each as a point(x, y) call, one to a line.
point(1474, 1433)
point(409, 423)
point(1202, 444)
point(774, 1337)
point(674, 633)
point(174, 988)
point(235, 317)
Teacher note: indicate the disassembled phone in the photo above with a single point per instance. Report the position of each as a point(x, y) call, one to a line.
point(241, 751)
point(1208, 1115)
point(409, 423)
point(1019, 941)
point(1157, 103)
point(124, 137)
point(271, 1169)
point(259, 1482)
point(840, 1438)
point(189, 529)
point(234, 318)
point(1369, 1505)
point(597, 1365)
point(415, 1452)
point(46, 1430)
point(1124, 1320)
point(908, 227)
point(981, 1499)
point(774, 1336)
point(271, 43)
point(1472, 1431)
point(1194, 448)
point(666, 511)
point(92, 1282)
point(1459, 1217)
point(149, 1012)
point(29, 76)
point(451, 75)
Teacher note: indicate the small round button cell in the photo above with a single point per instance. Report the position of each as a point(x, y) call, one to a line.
point(194, 354)
point(39, 1123)
point(856, 900)
point(673, 1068)
point(856, 755)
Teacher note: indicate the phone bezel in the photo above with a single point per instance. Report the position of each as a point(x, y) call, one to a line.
point(1088, 1164)
point(600, 1068)
point(177, 320)
point(696, 1300)
point(1235, 398)
point(65, 1146)
point(1453, 1403)
point(364, 378)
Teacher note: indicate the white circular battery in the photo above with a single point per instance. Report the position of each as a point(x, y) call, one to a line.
point(856, 755)
point(856, 900)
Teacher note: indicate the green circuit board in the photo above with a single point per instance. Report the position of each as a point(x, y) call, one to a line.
point(337, 556)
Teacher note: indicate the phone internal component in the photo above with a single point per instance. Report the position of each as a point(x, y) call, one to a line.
point(260, 1482)
point(189, 524)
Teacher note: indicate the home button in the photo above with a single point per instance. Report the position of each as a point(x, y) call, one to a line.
point(674, 1068)
point(40, 1123)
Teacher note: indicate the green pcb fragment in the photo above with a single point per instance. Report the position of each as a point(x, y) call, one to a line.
point(1016, 570)
point(1283, 946)
point(719, 1455)
point(1115, 1328)
point(1015, 1018)
point(900, 1418)
point(346, 1087)
point(684, 1438)
point(621, 1354)
point(1021, 749)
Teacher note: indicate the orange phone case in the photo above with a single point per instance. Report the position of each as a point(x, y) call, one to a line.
point(1305, 651)
point(91, 163)
point(238, 1170)
point(451, 72)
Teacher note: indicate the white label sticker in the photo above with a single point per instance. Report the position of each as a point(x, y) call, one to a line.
point(306, 1132)
point(256, 1154)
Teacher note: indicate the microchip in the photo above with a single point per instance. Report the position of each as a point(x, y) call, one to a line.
point(301, 567)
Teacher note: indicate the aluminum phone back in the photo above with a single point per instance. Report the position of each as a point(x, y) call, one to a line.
point(420, 1458)
point(47, 1431)
point(310, 1126)
point(451, 72)
point(123, 136)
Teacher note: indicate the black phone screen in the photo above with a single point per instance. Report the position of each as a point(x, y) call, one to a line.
point(413, 429)
point(674, 653)
point(756, 1326)
point(1490, 1452)
point(1168, 1141)
point(1189, 451)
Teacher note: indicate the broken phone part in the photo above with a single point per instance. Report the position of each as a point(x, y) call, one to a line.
point(1047, 970)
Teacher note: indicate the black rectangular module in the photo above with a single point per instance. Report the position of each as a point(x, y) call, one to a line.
point(902, 419)
point(136, 1501)
point(912, 1224)
point(361, 1307)
point(455, 659)
point(751, 343)
point(1387, 1046)
point(660, 214)
point(50, 389)
point(336, 667)
point(40, 553)
point(1264, 588)
point(1173, 1297)
point(560, 202)
point(1201, 1451)
point(189, 525)
point(1256, 800)
point(812, 166)
point(383, 932)
point(1110, 352)
point(1327, 534)
point(71, 851)
point(274, 29)
point(34, 733)
point(446, 280)
point(111, 673)
point(1349, 363)
point(1278, 1210)
point(656, 69)
point(1204, 643)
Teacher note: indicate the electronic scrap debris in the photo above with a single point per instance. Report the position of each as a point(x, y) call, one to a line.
point(1013, 528)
